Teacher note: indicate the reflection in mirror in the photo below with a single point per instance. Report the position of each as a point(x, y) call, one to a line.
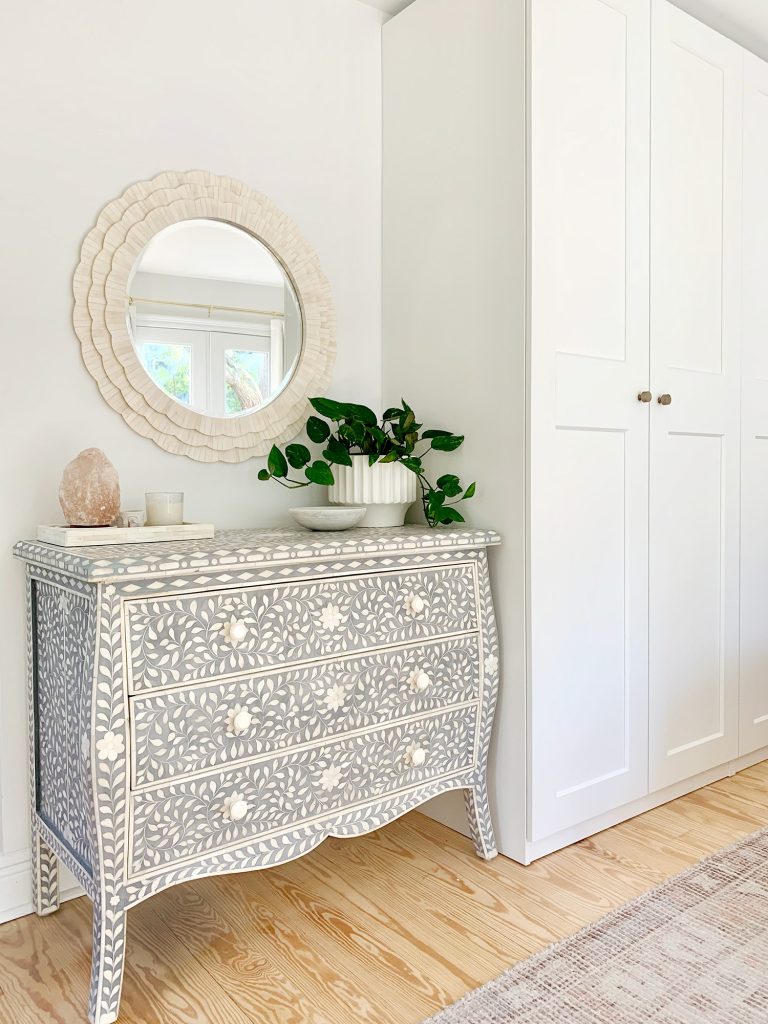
point(214, 318)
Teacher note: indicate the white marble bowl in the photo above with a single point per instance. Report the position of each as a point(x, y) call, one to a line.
point(324, 517)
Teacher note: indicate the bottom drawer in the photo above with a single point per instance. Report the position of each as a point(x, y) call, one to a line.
point(229, 808)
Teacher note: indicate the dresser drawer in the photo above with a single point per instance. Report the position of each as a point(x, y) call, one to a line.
point(210, 724)
point(204, 636)
point(191, 818)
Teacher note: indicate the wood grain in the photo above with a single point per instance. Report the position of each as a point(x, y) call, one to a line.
point(385, 929)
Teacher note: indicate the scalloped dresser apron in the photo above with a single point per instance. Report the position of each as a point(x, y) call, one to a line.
point(224, 705)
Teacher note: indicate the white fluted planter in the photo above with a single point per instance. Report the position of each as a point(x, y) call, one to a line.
point(387, 489)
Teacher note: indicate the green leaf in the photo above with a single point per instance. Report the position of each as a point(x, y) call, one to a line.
point(317, 430)
point(413, 464)
point(319, 473)
point(449, 515)
point(391, 456)
point(408, 420)
point(298, 455)
point(328, 408)
point(336, 453)
point(436, 433)
point(373, 458)
point(435, 500)
point(470, 491)
point(450, 484)
point(353, 432)
point(343, 411)
point(392, 414)
point(276, 463)
point(447, 444)
point(264, 474)
point(361, 413)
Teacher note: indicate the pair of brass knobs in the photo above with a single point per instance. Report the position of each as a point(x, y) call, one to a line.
point(646, 396)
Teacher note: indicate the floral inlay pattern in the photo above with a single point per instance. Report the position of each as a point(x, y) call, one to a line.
point(191, 729)
point(330, 778)
point(330, 617)
point(65, 666)
point(181, 639)
point(334, 697)
point(110, 746)
point(186, 820)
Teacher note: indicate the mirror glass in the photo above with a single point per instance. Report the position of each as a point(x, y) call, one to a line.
point(214, 318)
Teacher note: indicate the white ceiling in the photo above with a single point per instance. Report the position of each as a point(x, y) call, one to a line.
point(388, 6)
point(210, 250)
point(746, 21)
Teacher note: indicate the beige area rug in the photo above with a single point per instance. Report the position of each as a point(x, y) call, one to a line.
point(693, 951)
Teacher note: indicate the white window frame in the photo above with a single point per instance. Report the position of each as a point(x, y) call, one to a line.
point(207, 381)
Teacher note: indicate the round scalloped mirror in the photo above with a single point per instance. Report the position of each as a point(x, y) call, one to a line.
point(204, 316)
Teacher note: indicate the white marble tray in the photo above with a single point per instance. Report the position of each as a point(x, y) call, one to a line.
point(96, 536)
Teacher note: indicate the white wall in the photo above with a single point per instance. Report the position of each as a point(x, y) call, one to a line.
point(284, 94)
point(454, 295)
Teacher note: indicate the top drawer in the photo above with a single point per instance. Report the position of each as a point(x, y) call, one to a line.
point(202, 636)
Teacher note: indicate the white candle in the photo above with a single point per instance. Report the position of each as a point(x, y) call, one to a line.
point(165, 508)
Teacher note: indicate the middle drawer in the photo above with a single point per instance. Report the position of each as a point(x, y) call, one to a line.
point(199, 727)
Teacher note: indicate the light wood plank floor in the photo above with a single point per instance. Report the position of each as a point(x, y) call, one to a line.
point(386, 929)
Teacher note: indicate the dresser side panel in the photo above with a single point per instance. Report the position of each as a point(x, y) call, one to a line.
point(63, 634)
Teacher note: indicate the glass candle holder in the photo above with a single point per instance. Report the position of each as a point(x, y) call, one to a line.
point(165, 508)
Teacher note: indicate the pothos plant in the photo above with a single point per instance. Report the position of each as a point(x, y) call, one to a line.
point(345, 429)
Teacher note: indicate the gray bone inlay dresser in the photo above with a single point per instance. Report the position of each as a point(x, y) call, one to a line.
point(203, 707)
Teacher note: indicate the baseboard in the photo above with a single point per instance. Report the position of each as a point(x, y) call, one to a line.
point(547, 845)
point(16, 885)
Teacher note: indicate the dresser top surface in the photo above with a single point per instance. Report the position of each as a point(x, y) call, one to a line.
point(234, 548)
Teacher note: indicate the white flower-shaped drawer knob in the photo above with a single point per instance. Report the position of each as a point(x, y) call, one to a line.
point(419, 681)
point(235, 807)
point(235, 631)
point(415, 756)
point(239, 720)
point(414, 605)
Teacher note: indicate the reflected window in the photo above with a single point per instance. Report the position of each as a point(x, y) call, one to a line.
point(246, 375)
point(170, 367)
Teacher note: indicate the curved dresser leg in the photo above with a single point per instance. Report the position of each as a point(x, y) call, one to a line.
point(480, 824)
point(107, 962)
point(45, 877)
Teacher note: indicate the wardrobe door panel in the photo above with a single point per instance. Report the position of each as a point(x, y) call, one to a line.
point(589, 198)
point(695, 363)
point(754, 413)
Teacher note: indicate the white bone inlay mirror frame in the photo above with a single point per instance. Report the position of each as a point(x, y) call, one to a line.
point(108, 255)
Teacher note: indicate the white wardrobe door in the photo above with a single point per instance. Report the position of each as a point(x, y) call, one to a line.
point(696, 138)
point(754, 412)
point(590, 97)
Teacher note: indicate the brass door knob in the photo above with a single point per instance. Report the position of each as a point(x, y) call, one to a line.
point(665, 399)
point(644, 396)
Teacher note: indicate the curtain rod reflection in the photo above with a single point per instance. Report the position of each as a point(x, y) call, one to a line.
point(273, 313)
